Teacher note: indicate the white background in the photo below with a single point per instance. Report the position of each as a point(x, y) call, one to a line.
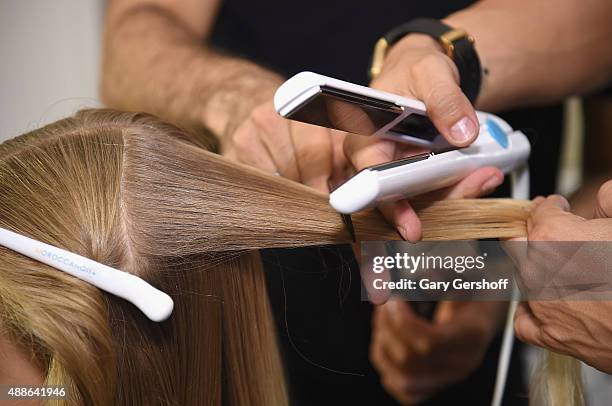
point(49, 60)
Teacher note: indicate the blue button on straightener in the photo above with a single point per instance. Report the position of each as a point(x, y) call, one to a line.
point(497, 133)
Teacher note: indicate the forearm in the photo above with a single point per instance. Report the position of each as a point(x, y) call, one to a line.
point(154, 63)
point(538, 51)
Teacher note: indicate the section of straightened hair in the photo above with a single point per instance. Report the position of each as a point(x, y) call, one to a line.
point(564, 382)
point(218, 205)
point(462, 219)
point(557, 381)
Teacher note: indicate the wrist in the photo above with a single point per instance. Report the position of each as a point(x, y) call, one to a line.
point(417, 41)
point(455, 43)
point(472, 20)
point(419, 46)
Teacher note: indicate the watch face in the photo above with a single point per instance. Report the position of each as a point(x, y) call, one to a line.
point(357, 114)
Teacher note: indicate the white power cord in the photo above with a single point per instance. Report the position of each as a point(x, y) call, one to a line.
point(520, 190)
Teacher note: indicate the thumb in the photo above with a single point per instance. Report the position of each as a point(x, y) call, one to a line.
point(452, 113)
point(553, 204)
point(435, 82)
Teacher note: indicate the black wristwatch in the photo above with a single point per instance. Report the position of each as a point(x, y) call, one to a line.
point(457, 44)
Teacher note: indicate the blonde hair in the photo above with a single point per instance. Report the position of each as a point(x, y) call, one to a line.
point(557, 381)
point(130, 191)
point(105, 185)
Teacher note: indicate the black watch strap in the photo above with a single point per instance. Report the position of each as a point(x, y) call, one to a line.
point(459, 46)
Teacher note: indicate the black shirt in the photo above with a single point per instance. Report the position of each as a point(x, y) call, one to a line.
point(323, 325)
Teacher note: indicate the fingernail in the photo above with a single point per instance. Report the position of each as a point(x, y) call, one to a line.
point(492, 183)
point(403, 232)
point(463, 130)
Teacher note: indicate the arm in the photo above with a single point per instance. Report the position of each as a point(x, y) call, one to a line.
point(539, 51)
point(156, 59)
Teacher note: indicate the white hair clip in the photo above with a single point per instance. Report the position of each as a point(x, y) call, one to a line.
point(154, 303)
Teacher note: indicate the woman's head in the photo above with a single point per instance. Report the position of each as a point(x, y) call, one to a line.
point(134, 193)
point(110, 186)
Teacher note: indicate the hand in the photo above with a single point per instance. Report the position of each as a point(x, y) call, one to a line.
point(580, 328)
point(305, 153)
point(551, 220)
point(416, 358)
point(417, 68)
point(556, 255)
